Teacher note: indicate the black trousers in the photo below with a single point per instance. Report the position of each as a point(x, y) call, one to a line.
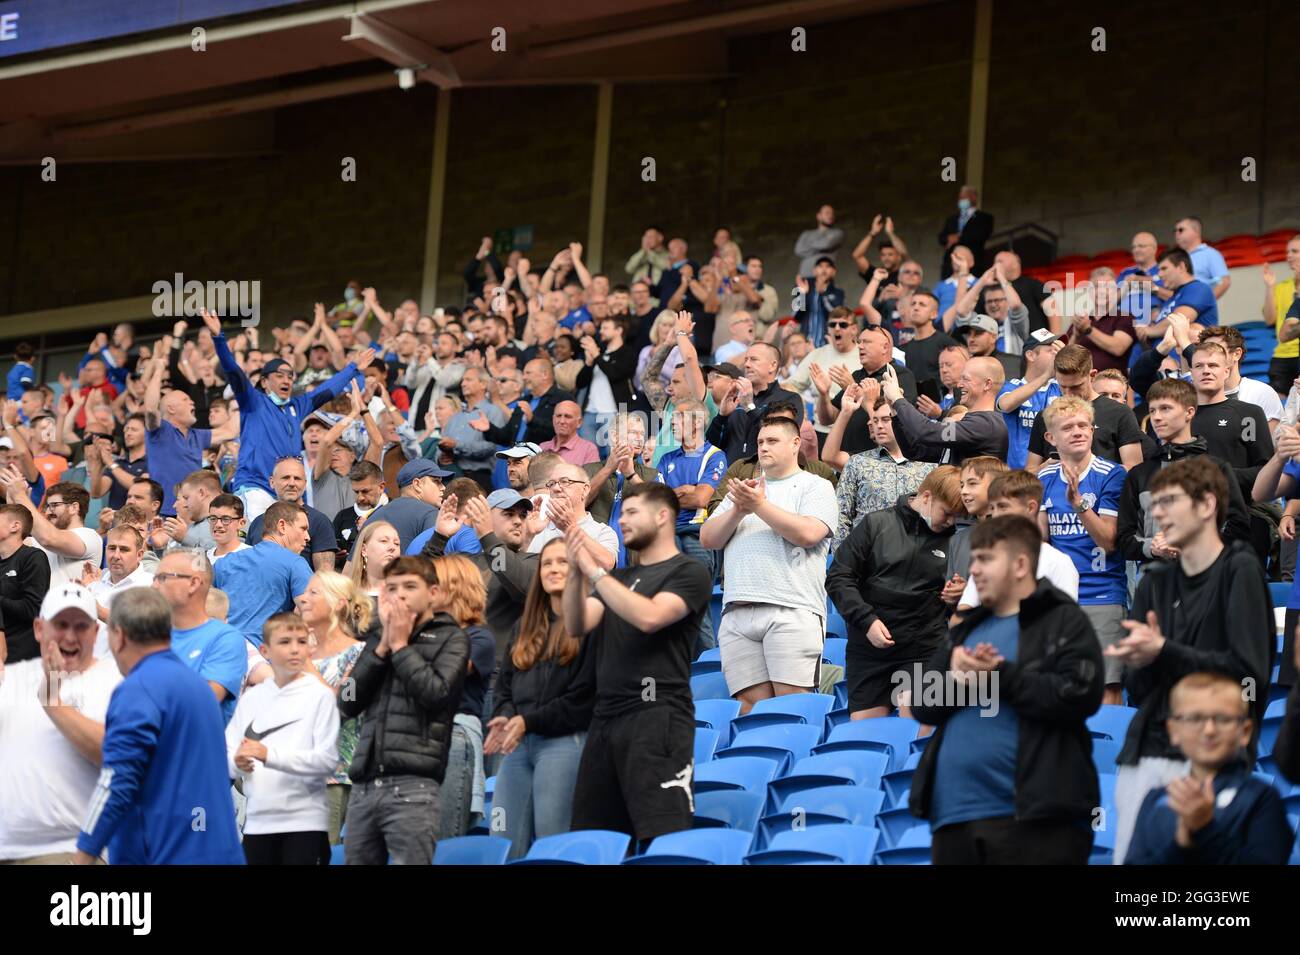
point(1006, 841)
point(288, 848)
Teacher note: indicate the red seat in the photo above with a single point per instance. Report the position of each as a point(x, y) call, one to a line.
point(1235, 259)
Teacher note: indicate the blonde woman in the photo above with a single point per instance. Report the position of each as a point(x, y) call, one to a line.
point(462, 594)
point(378, 544)
point(336, 614)
point(661, 333)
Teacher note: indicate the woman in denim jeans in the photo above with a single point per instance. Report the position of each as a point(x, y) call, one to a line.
point(462, 593)
point(541, 712)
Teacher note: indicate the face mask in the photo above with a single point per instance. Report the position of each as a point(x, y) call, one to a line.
point(349, 294)
point(279, 402)
point(963, 204)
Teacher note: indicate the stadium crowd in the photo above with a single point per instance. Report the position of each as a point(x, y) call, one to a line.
point(396, 554)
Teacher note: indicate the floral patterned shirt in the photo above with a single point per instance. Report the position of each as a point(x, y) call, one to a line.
point(333, 670)
point(872, 481)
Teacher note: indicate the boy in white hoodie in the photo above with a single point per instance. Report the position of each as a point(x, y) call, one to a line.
point(282, 743)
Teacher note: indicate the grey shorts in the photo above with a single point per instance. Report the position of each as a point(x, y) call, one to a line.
point(764, 643)
point(1108, 621)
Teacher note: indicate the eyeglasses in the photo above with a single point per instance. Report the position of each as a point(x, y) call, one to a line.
point(51, 505)
point(166, 577)
point(910, 272)
point(1221, 721)
point(217, 521)
point(559, 483)
point(1166, 500)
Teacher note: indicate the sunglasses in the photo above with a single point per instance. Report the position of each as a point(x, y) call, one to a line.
point(838, 325)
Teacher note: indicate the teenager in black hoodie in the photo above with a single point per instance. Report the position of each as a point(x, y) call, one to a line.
point(1012, 782)
point(1171, 404)
point(1208, 611)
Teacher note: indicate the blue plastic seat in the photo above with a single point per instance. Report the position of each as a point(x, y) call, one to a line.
point(810, 708)
point(712, 653)
point(702, 667)
point(336, 855)
point(899, 783)
point(1111, 722)
point(706, 743)
point(696, 847)
point(835, 627)
point(1104, 754)
point(784, 743)
point(892, 823)
point(825, 806)
point(833, 719)
point(835, 650)
point(819, 845)
point(490, 786)
point(842, 695)
point(847, 767)
point(717, 715)
point(738, 772)
point(918, 745)
point(891, 734)
point(728, 808)
point(1271, 726)
point(584, 847)
point(471, 850)
point(709, 686)
point(912, 848)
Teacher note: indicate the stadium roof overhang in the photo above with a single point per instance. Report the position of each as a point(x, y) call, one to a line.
point(106, 100)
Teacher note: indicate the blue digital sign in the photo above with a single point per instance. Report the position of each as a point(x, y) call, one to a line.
point(30, 26)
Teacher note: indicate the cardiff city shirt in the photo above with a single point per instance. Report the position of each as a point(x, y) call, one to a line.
point(1102, 578)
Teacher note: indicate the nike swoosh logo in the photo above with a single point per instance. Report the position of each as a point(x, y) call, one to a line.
point(256, 736)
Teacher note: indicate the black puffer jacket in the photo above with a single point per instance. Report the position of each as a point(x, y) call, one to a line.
point(1054, 685)
point(409, 700)
point(891, 567)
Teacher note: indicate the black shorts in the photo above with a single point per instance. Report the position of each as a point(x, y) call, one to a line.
point(870, 675)
point(636, 773)
point(287, 848)
point(1282, 372)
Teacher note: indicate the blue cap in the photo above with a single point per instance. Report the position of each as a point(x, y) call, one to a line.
point(506, 498)
point(420, 467)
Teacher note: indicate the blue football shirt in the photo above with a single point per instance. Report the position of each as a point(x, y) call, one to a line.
point(1100, 487)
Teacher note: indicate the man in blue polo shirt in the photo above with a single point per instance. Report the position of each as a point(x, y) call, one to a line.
point(271, 418)
point(1080, 517)
point(1022, 400)
point(1207, 262)
point(1192, 297)
point(266, 579)
point(163, 796)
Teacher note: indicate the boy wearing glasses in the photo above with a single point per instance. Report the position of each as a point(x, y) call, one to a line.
point(1219, 813)
point(1208, 610)
point(226, 520)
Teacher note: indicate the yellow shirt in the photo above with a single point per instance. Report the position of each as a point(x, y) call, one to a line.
point(1283, 296)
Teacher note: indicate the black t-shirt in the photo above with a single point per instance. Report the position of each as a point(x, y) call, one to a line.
point(627, 657)
point(1032, 293)
point(24, 579)
point(1113, 427)
point(923, 356)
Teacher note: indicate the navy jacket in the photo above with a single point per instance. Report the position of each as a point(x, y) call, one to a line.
point(1249, 826)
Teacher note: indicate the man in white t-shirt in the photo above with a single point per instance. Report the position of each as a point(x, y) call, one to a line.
point(226, 518)
point(565, 504)
point(58, 525)
point(775, 532)
point(52, 711)
point(1019, 492)
point(123, 552)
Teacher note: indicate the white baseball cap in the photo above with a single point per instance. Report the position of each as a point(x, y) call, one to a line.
point(64, 596)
